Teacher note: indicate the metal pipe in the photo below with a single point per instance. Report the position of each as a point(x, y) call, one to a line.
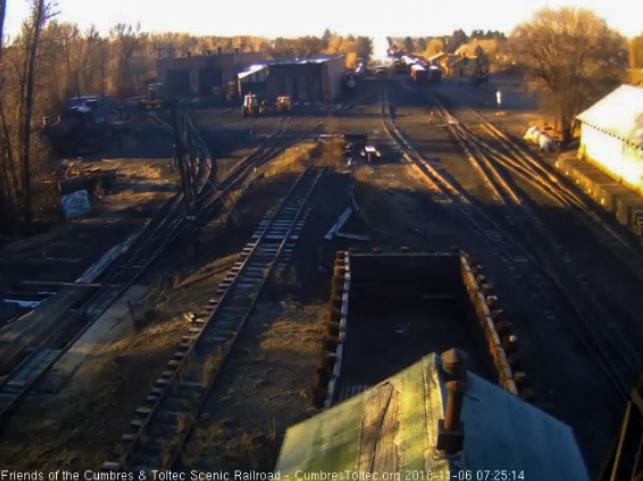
point(455, 390)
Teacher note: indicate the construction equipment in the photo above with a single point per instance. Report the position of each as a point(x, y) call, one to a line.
point(252, 106)
point(284, 104)
point(154, 97)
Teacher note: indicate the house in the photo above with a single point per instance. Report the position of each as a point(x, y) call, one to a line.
point(417, 422)
point(612, 135)
point(452, 65)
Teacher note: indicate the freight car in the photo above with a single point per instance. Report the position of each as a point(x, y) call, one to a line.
point(381, 73)
point(419, 74)
point(434, 75)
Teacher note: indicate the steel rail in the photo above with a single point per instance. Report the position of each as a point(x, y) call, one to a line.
point(495, 234)
point(200, 346)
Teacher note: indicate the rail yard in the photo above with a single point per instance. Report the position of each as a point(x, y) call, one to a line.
point(320, 252)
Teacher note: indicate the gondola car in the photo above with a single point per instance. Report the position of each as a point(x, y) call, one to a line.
point(419, 73)
point(434, 75)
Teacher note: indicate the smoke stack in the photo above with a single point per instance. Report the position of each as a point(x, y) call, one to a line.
point(454, 364)
point(455, 390)
point(451, 428)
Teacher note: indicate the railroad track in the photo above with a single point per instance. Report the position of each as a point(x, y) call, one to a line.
point(610, 343)
point(512, 157)
point(161, 427)
point(212, 195)
point(81, 306)
point(561, 297)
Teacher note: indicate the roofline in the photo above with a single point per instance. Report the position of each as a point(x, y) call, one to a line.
point(611, 134)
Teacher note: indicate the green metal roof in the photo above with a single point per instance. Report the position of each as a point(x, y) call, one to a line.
point(392, 428)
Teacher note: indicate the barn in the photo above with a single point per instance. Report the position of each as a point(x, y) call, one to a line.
point(612, 135)
point(317, 79)
point(200, 75)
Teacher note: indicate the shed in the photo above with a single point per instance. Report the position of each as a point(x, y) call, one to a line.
point(392, 430)
point(315, 79)
point(612, 135)
point(199, 75)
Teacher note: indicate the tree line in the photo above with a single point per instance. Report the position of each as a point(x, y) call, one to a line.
point(49, 61)
point(570, 54)
point(443, 43)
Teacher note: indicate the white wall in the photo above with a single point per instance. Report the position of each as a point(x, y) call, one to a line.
point(622, 161)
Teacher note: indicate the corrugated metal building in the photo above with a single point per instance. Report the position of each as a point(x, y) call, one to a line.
point(316, 79)
point(391, 432)
point(198, 75)
point(612, 135)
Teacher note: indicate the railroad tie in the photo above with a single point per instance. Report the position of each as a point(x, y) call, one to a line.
point(111, 466)
point(136, 423)
point(161, 382)
point(143, 411)
point(125, 438)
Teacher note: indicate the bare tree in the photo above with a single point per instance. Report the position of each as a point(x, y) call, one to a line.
point(40, 13)
point(3, 11)
point(571, 53)
point(125, 43)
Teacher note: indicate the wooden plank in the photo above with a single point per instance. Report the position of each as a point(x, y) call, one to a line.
point(60, 284)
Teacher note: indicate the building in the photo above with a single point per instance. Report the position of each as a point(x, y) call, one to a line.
point(200, 75)
point(317, 79)
point(612, 135)
point(403, 425)
point(446, 62)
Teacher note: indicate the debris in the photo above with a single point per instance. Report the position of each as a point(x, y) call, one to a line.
point(537, 136)
point(76, 204)
point(369, 151)
point(339, 224)
point(358, 237)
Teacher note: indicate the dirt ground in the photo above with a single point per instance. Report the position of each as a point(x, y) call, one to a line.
point(86, 419)
point(265, 385)
point(127, 183)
